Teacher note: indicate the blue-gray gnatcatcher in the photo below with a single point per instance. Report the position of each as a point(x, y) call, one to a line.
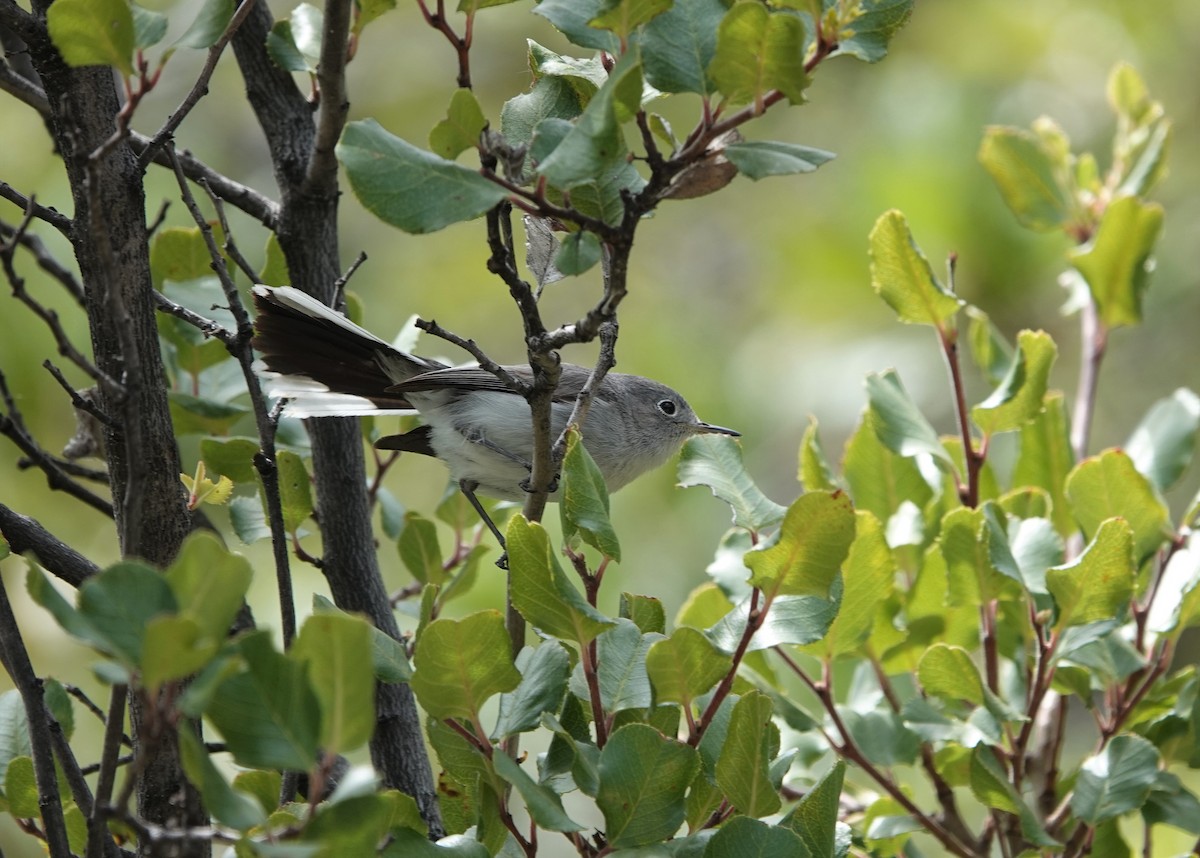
point(328, 366)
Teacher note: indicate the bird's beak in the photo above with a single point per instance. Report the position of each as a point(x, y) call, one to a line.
point(710, 429)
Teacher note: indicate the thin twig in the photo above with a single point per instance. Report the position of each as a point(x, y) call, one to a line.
point(46, 261)
point(512, 382)
point(265, 421)
point(16, 662)
point(55, 218)
point(199, 88)
point(12, 425)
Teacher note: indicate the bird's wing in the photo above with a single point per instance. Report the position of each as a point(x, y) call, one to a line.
point(470, 378)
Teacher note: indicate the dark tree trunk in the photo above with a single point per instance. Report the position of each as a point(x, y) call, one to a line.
point(307, 232)
point(111, 247)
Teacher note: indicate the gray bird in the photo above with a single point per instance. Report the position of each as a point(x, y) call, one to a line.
point(328, 366)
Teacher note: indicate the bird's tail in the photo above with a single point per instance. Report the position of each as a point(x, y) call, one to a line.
point(325, 364)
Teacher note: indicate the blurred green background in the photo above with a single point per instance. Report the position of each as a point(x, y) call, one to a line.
point(755, 303)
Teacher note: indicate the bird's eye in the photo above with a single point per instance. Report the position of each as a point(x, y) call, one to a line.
point(667, 407)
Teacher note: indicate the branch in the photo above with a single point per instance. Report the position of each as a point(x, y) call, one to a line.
point(25, 534)
point(238, 345)
point(12, 425)
point(55, 218)
point(247, 199)
point(199, 88)
point(16, 662)
point(516, 385)
point(321, 176)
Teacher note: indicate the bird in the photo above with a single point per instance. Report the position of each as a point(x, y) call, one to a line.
point(326, 365)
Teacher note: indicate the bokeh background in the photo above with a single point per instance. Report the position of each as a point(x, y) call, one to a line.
point(755, 303)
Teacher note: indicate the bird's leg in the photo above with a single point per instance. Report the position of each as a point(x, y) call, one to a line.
point(467, 487)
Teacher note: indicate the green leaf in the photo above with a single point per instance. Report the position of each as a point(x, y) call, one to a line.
point(898, 422)
point(268, 715)
point(583, 501)
point(93, 33)
point(991, 785)
point(149, 26)
point(368, 10)
point(228, 806)
point(792, 620)
point(595, 141)
point(751, 744)
point(555, 97)
point(759, 51)
point(646, 612)
point(1109, 485)
point(544, 806)
point(1030, 176)
point(58, 704)
point(620, 669)
point(209, 584)
point(1115, 781)
point(337, 650)
point(542, 592)
point(578, 252)
point(460, 664)
point(815, 473)
point(813, 541)
point(867, 582)
point(295, 490)
point(572, 18)
point(406, 843)
point(868, 31)
point(1045, 459)
point(14, 730)
point(208, 25)
point(544, 671)
point(420, 550)
point(990, 350)
point(1099, 585)
point(20, 789)
point(643, 778)
point(389, 658)
point(231, 457)
point(68, 618)
point(119, 602)
point(192, 415)
point(685, 666)
point(623, 17)
point(880, 481)
point(408, 187)
point(678, 45)
point(902, 276)
point(248, 519)
point(295, 43)
point(978, 558)
point(1162, 445)
point(757, 159)
point(1117, 262)
point(882, 737)
point(743, 837)
point(716, 461)
point(948, 672)
point(179, 254)
point(353, 825)
point(461, 128)
point(815, 818)
point(174, 647)
point(1020, 395)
